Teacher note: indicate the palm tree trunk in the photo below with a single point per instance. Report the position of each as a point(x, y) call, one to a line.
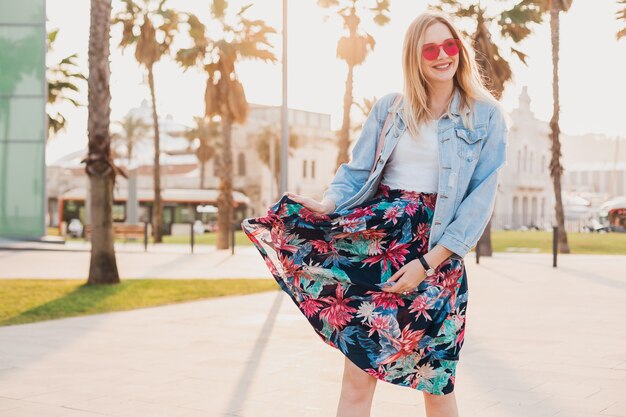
point(157, 211)
point(103, 265)
point(556, 170)
point(344, 134)
point(225, 198)
point(202, 174)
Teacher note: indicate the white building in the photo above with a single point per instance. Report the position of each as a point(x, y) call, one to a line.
point(525, 196)
point(594, 171)
point(311, 167)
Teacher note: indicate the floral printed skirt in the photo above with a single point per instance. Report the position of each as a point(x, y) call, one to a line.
point(334, 266)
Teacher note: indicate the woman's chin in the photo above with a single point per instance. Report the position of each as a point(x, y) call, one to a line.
point(441, 78)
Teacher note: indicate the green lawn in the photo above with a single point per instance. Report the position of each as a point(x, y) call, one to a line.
point(587, 243)
point(503, 240)
point(26, 301)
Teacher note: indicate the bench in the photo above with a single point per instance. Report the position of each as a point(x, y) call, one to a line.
point(122, 230)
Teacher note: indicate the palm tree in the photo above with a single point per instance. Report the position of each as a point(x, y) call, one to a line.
point(99, 166)
point(151, 28)
point(554, 8)
point(365, 107)
point(203, 136)
point(224, 94)
point(353, 49)
point(63, 78)
point(514, 26)
point(133, 129)
point(621, 15)
point(268, 144)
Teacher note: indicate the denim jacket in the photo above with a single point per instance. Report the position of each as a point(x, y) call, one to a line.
point(469, 164)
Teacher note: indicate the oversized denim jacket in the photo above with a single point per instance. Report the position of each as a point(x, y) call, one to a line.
point(469, 164)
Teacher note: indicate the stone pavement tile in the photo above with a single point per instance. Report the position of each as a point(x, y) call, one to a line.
point(27, 409)
point(272, 409)
point(589, 405)
point(154, 410)
point(63, 397)
point(514, 410)
point(390, 408)
point(17, 390)
point(513, 397)
point(107, 405)
point(617, 409)
point(573, 389)
point(8, 403)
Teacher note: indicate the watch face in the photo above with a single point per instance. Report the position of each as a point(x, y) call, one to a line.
point(430, 272)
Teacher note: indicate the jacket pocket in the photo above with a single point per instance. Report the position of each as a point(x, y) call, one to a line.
point(469, 142)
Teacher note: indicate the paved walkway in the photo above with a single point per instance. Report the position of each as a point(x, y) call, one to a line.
point(539, 342)
point(71, 261)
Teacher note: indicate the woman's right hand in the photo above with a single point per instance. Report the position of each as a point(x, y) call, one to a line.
point(323, 207)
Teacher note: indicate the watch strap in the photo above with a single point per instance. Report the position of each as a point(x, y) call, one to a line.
point(424, 263)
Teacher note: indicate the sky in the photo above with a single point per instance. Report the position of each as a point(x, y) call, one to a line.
point(592, 85)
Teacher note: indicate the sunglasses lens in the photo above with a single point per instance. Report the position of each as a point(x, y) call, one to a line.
point(430, 52)
point(450, 47)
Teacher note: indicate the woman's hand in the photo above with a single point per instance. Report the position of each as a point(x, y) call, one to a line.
point(323, 207)
point(408, 277)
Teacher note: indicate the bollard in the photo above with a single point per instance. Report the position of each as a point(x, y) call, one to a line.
point(232, 239)
point(192, 236)
point(555, 244)
point(145, 236)
point(478, 253)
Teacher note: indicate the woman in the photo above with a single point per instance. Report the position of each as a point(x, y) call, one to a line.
point(377, 266)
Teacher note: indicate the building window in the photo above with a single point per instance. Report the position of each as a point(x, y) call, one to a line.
point(304, 163)
point(532, 156)
point(312, 169)
point(519, 160)
point(543, 163)
point(241, 164)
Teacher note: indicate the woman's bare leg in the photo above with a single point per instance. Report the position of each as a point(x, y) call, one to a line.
point(357, 391)
point(441, 405)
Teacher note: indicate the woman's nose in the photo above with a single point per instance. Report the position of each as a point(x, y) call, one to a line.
point(442, 53)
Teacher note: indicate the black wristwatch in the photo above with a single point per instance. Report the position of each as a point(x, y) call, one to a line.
point(429, 270)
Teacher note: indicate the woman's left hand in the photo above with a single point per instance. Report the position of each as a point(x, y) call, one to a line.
point(408, 277)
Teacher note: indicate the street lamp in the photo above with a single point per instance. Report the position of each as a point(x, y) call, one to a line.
point(284, 138)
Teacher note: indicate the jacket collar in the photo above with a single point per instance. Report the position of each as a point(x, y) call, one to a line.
point(454, 105)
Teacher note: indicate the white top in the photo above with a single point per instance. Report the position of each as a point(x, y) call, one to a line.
point(414, 162)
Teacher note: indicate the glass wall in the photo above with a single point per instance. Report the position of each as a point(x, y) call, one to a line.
point(22, 118)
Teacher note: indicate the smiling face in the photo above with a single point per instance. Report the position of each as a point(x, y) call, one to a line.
point(443, 67)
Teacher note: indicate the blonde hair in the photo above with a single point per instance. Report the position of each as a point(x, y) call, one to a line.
point(467, 78)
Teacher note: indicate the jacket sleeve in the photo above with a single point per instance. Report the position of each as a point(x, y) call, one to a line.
point(351, 176)
point(474, 212)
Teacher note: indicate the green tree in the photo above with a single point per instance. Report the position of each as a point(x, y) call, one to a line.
point(269, 136)
point(514, 25)
point(202, 137)
point(150, 27)
point(239, 38)
point(99, 166)
point(132, 129)
point(63, 78)
point(353, 48)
